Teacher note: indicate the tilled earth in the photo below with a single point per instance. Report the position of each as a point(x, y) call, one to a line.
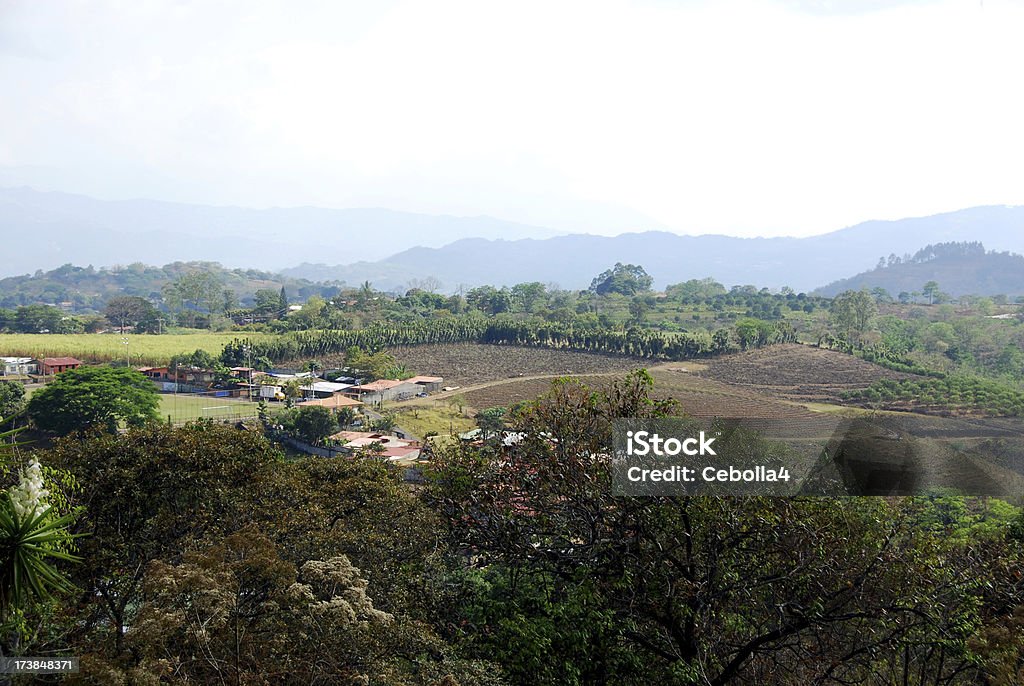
point(798, 372)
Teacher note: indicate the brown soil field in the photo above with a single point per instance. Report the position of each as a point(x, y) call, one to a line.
point(465, 364)
point(504, 394)
point(797, 372)
point(699, 397)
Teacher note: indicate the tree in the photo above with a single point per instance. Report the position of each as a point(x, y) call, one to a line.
point(852, 312)
point(12, 399)
point(489, 299)
point(94, 397)
point(150, 493)
point(126, 310)
point(638, 309)
point(267, 302)
point(491, 421)
point(527, 296)
point(626, 279)
point(314, 423)
point(685, 590)
point(238, 611)
point(310, 314)
point(931, 291)
point(694, 289)
point(428, 284)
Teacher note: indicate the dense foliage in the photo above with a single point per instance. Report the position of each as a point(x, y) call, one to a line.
point(210, 557)
point(501, 331)
point(956, 393)
point(87, 289)
point(94, 397)
point(573, 586)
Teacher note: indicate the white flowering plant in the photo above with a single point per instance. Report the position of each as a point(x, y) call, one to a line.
point(33, 536)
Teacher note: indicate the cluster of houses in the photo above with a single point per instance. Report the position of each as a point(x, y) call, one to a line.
point(247, 382)
point(270, 385)
point(30, 369)
point(343, 392)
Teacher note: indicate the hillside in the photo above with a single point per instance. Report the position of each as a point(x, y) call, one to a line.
point(87, 288)
point(572, 261)
point(958, 268)
point(63, 228)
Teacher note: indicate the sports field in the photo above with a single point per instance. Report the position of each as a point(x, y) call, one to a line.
point(185, 408)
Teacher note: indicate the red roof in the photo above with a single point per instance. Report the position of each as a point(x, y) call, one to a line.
point(60, 361)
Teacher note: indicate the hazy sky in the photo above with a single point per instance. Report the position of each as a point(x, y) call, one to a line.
point(747, 118)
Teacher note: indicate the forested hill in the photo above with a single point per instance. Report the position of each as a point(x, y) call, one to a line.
point(958, 268)
point(86, 288)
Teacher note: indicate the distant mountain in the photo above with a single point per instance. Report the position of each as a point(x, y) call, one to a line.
point(52, 229)
point(389, 249)
point(572, 261)
point(82, 289)
point(958, 268)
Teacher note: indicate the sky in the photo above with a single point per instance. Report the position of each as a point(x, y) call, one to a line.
point(766, 117)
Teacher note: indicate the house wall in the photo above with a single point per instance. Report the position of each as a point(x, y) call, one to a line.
point(405, 389)
point(12, 368)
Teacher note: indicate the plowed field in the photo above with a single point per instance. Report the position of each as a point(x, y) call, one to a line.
point(797, 372)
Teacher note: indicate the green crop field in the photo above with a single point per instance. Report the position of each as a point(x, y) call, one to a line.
point(183, 408)
point(102, 347)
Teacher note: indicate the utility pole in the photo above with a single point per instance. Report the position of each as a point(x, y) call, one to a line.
point(248, 364)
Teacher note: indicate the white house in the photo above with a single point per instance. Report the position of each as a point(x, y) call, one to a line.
point(18, 366)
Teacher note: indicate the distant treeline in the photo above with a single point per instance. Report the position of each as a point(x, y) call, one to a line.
point(656, 345)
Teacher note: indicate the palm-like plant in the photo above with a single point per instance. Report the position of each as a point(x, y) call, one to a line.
point(32, 537)
point(28, 547)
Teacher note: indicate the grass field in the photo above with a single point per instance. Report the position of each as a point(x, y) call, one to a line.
point(184, 408)
point(436, 417)
point(100, 347)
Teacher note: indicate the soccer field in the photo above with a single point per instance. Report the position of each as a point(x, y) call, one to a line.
point(183, 408)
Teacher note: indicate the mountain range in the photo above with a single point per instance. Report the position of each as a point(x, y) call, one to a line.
point(390, 249)
point(65, 228)
point(572, 261)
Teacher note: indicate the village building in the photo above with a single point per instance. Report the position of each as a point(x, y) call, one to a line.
point(194, 376)
point(56, 365)
point(154, 373)
point(17, 366)
point(383, 390)
point(392, 448)
point(334, 402)
point(428, 384)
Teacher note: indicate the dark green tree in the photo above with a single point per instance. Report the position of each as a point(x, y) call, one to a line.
point(626, 279)
point(12, 398)
point(314, 423)
point(94, 397)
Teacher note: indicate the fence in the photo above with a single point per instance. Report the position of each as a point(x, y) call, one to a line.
point(182, 408)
